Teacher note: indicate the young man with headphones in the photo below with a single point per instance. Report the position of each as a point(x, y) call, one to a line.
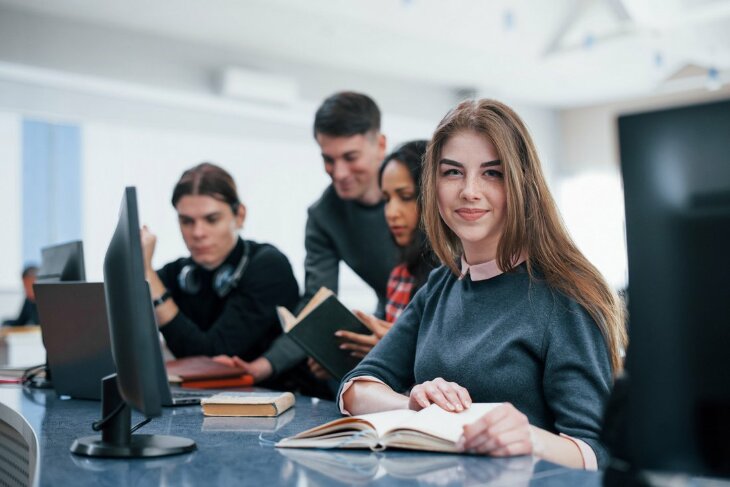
point(222, 299)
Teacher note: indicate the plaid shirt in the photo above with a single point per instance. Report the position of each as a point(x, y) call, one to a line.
point(400, 286)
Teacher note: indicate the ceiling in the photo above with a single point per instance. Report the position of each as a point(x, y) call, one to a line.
point(556, 53)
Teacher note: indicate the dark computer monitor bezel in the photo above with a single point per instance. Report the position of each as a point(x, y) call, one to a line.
point(132, 327)
point(676, 172)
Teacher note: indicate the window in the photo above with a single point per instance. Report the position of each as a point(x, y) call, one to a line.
point(51, 185)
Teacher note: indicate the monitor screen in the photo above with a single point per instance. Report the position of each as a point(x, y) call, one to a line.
point(676, 172)
point(62, 262)
point(132, 326)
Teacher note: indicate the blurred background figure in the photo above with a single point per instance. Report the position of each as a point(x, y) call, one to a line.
point(28, 312)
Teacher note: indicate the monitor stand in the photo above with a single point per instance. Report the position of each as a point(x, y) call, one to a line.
point(116, 439)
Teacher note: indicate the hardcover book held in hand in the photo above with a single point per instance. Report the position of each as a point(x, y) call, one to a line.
point(430, 429)
point(314, 330)
point(201, 372)
point(247, 403)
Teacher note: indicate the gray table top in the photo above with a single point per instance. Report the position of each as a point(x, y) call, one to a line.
point(240, 451)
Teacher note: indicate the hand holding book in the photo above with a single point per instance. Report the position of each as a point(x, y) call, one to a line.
point(315, 327)
point(360, 344)
point(501, 432)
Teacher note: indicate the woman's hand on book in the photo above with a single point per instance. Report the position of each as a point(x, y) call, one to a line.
point(260, 368)
point(450, 396)
point(502, 432)
point(360, 345)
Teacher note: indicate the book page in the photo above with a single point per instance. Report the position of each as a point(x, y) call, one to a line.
point(318, 297)
point(387, 421)
point(442, 424)
point(286, 319)
point(381, 423)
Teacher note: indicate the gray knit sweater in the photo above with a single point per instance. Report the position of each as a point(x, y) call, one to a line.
point(339, 230)
point(508, 338)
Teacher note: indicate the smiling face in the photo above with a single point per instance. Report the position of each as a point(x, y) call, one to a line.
point(401, 202)
point(352, 163)
point(209, 228)
point(471, 194)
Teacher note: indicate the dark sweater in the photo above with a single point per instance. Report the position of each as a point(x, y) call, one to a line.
point(505, 339)
point(339, 230)
point(242, 323)
point(28, 315)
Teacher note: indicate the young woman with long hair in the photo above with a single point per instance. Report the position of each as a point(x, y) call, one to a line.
point(515, 315)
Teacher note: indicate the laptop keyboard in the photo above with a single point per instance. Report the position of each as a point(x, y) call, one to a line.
point(190, 394)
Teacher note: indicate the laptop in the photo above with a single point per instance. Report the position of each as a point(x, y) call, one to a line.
point(75, 333)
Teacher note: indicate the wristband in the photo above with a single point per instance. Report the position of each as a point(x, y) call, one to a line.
point(165, 296)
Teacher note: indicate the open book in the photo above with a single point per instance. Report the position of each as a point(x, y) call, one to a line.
point(314, 330)
point(430, 429)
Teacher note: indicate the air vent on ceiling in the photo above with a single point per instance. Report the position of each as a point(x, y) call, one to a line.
point(258, 87)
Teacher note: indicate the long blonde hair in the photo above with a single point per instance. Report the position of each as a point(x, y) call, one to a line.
point(532, 224)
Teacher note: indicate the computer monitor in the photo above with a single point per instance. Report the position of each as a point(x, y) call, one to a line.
point(136, 351)
point(676, 173)
point(62, 262)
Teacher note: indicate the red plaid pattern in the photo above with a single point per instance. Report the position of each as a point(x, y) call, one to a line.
point(400, 285)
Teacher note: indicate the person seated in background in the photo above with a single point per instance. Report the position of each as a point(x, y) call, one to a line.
point(400, 181)
point(516, 314)
point(28, 312)
point(221, 300)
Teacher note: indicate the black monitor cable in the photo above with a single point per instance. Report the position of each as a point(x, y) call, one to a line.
point(33, 379)
point(98, 425)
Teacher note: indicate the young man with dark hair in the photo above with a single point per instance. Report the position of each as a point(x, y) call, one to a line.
point(347, 223)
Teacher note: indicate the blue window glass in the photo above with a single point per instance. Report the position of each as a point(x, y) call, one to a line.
point(51, 186)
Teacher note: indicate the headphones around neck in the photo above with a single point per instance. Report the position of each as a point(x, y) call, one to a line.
point(226, 277)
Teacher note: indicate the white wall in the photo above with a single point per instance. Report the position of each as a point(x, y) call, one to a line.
point(544, 126)
point(10, 202)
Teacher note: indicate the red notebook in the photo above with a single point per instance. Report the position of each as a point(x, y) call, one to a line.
point(245, 380)
point(201, 372)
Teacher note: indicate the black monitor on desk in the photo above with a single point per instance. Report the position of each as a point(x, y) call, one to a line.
point(62, 262)
point(676, 171)
point(135, 347)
